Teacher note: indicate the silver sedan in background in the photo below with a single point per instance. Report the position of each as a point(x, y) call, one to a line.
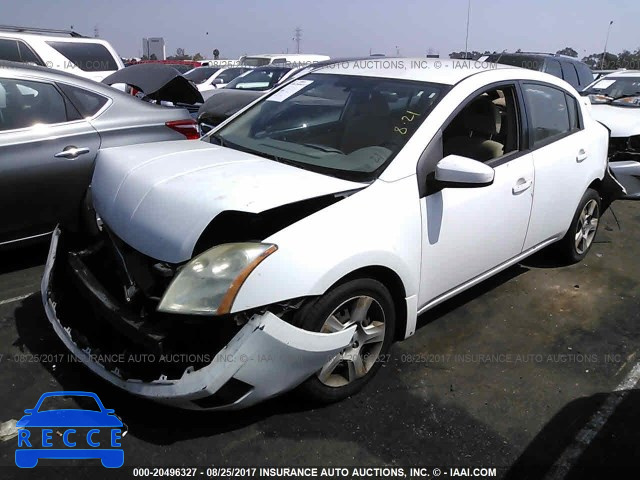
point(52, 125)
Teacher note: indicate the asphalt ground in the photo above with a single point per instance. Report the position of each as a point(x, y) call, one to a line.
point(533, 372)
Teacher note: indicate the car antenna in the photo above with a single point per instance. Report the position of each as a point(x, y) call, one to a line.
point(500, 56)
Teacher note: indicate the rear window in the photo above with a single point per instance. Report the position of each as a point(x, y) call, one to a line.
point(88, 57)
point(570, 74)
point(553, 68)
point(585, 75)
point(86, 102)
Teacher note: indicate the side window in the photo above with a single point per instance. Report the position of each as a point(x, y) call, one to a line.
point(574, 115)
point(487, 128)
point(570, 74)
point(553, 68)
point(9, 50)
point(87, 103)
point(27, 55)
point(25, 103)
point(87, 56)
point(549, 112)
point(279, 60)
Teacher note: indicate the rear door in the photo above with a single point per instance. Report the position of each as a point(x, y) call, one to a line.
point(47, 152)
point(561, 157)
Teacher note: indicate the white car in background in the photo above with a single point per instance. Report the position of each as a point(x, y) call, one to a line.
point(64, 50)
point(615, 101)
point(294, 243)
point(211, 78)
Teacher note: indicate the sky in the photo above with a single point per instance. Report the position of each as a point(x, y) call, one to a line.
point(340, 27)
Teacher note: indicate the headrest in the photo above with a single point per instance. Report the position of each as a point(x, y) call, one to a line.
point(373, 103)
point(3, 97)
point(481, 116)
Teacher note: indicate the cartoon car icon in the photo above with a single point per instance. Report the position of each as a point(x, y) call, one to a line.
point(81, 433)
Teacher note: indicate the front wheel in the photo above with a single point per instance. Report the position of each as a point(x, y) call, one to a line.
point(578, 240)
point(365, 303)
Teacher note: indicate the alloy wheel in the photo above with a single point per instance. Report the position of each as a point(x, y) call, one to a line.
point(357, 359)
point(587, 226)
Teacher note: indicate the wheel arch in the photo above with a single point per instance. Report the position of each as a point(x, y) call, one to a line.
point(390, 280)
point(597, 186)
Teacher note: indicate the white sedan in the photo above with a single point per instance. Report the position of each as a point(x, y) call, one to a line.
point(300, 238)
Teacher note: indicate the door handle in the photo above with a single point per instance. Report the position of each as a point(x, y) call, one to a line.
point(582, 155)
point(522, 185)
point(72, 152)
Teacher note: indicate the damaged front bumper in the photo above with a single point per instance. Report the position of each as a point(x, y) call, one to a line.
point(266, 356)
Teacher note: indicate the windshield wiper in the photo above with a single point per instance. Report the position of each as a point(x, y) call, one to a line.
point(218, 138)
point(636, 94)
point(322, 148)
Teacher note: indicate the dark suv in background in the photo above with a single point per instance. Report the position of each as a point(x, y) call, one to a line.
point(571, 70)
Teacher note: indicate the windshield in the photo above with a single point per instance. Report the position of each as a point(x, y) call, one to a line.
point(68, 402)
point(200, 74)
point(258, 79)
point(612, 88)
point(346, 126)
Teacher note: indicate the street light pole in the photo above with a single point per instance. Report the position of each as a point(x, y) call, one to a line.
point(605, 45)
point(466, 39)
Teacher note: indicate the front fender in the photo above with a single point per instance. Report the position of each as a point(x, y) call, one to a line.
point(377, 226)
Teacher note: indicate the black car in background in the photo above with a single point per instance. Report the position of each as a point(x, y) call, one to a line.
point(570, 69)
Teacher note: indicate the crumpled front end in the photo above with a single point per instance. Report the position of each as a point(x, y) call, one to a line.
point(101, 302)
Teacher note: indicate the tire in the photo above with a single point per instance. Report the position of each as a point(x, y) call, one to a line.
point(572, 249)
point(349, 371)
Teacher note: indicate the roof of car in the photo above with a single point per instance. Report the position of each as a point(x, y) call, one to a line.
point(435, 70)
point(46, 73)
point(38, 71)
point(45, 36)
point(624, 73)
point(279, 55)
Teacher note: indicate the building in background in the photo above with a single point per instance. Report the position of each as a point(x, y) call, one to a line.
point(154, 46)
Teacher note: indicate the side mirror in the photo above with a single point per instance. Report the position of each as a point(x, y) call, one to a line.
point(29, 411)
point(463, 172)
point(217, 81)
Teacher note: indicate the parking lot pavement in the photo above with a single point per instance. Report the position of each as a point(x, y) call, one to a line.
point(506, 375)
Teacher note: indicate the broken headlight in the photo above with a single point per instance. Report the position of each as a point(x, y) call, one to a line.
point(209, 283)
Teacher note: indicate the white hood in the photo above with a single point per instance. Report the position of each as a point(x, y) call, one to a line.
point(622, 121)
point(159, 197)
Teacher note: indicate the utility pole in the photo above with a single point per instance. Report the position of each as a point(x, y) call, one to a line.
point(96, 33)
point(605, 45)
point(297, 38)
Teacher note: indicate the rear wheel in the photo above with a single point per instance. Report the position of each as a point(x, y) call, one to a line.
point(365, 303)
point(576, 243)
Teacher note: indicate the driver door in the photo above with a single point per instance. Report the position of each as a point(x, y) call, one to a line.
point(470, 232)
